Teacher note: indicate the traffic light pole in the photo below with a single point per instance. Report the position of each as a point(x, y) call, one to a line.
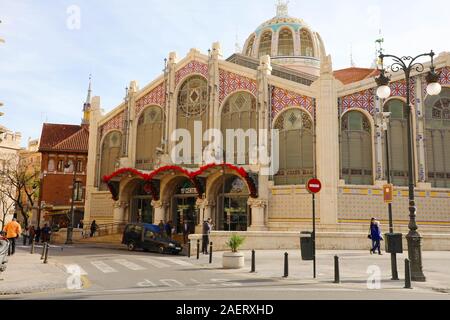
point(391, 223)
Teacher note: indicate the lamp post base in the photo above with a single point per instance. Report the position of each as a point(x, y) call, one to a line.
point(69, 236)
point(415, 256)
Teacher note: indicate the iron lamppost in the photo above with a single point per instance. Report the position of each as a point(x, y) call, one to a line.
point(408, 64)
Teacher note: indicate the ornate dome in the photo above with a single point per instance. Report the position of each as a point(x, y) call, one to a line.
point(288, 41)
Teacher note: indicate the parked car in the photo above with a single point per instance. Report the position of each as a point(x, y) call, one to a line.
point(148, 237)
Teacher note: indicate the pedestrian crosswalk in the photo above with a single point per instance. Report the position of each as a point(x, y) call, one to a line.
point(111, 265)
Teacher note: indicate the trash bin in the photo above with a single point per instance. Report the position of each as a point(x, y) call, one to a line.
point(394, 242)
point(306, 245)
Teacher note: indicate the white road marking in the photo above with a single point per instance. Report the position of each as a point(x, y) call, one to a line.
point(70, 266)
point(153, 262)
point(168, 282)
point(103, 267)
point(146, 283)
point(177, 261)
point(128, 264)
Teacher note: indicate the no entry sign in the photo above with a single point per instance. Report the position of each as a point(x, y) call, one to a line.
point(314, 186)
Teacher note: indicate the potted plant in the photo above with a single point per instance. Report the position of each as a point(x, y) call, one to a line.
point(234, 259)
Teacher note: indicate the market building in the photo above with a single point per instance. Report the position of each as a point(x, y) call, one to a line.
point(329, 124)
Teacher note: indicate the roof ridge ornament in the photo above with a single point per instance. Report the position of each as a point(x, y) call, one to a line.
point(282, 8)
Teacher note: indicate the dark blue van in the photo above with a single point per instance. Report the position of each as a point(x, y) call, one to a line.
point(148, 238)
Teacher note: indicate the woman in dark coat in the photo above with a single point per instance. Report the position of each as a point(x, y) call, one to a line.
point(375, 235)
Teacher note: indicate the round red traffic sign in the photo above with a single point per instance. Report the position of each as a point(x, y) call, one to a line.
point(314, 186)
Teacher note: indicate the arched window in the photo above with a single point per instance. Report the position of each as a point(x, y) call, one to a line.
point(110, 154)
point(437, 139)
point(306, 44)
point(249, 51)
point(356, 149)
point(239, 112)
point(51, 165)
point(285, 43)
point(193, 107)
point(398, 142)
point(295, 147)
point(265, 44)
point(149, 135)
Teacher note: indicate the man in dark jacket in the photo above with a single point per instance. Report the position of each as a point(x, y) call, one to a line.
point(375, 235)
point(168, 229)
point(45, 232)
point(205, 235)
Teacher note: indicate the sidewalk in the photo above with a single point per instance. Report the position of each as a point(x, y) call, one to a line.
point(356, 267)
point(26, 273)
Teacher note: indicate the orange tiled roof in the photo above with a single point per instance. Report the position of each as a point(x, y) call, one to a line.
point(64, 137)
point(353, 74)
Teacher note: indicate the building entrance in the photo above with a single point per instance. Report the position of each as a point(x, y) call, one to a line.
point(141, 205)
point(232, 208)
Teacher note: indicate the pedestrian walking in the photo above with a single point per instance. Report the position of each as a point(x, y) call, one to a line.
point(168, 229)
point(375, 235)
point(185, 231)
point(32, 234)
point(25, 235)
point(161, 228)
point(45, 233)
point(207, 227)
point(38, 234)
point(13, 230)
point(94, 228)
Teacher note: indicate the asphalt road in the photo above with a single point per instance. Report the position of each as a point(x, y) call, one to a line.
point(108, 273)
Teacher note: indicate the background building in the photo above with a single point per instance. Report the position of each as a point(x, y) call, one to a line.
point(9, 149)
point(330, 127)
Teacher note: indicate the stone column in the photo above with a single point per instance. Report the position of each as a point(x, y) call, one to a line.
point(132, 123)
point(258, 209)
point(420, 114)
point(120, 211)
point(93, 153)
point(171, 101)
point(327, 142)
point(213, 82)
point(159, 211)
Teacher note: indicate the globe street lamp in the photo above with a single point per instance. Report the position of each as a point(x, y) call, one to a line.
point(408, 64)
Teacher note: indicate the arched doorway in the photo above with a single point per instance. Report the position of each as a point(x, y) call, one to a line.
point(183, 206)
point(233, 212)
point(141, 204)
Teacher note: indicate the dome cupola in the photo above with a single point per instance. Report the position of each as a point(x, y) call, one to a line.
point(288, 41)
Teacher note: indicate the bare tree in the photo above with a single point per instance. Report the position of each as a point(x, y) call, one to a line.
point(7, 205)
point(19, 184)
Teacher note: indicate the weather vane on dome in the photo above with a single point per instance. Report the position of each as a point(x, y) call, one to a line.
point(282, 8)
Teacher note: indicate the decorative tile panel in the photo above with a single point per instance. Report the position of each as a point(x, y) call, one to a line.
point(114, 123)
point(230, 82)
point(398, 89)
point(363, 100)
point(282, 98)
point(191, 67)
point(445, 75)
point(156, 96)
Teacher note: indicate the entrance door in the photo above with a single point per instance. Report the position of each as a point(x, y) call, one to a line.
point(184, 211)
point(235, 213)
point(142, 210)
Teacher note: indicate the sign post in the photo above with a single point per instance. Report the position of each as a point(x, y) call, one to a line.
point(314, 186)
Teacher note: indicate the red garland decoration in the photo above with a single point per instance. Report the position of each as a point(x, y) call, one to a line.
point(190, 175)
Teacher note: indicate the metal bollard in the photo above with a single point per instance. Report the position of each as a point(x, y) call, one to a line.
point(407, 274)
point(32, 247)
point(198, 249)
point(189, 248)
point(337, 278)
point(43, 250)
point(46, 254)
point(210, 252)
point(253, 270)
point(286, 265)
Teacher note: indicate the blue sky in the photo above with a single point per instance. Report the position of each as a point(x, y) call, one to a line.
point(44, 65)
